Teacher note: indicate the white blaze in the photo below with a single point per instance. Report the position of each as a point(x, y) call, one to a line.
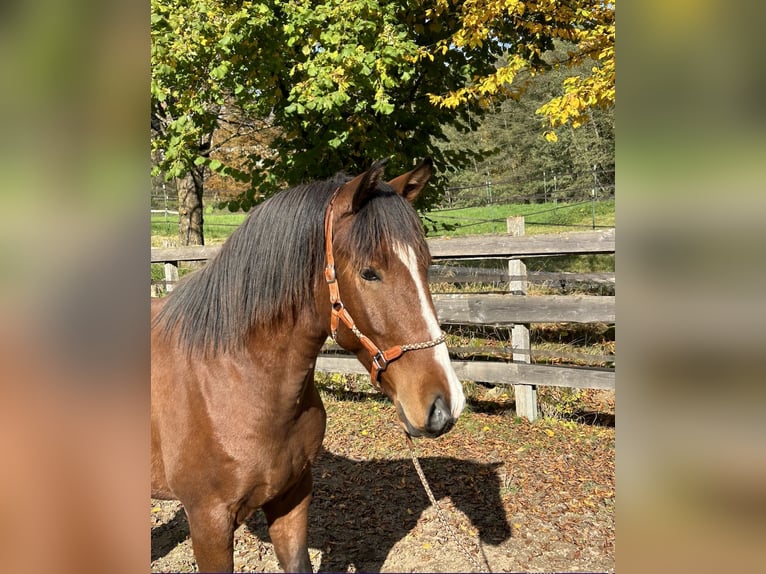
point(456, 398)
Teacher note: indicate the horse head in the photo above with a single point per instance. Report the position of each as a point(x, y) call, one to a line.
point(381, 307)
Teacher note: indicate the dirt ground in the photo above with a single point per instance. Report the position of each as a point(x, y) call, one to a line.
point(533, 497)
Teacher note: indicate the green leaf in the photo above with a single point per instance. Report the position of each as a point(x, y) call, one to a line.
point(219, 72)
point(227, 39)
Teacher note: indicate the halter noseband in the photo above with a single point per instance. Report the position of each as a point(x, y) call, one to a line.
point(380, 359)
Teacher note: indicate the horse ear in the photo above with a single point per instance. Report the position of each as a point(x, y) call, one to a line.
point(410, 184)
point(367, 185)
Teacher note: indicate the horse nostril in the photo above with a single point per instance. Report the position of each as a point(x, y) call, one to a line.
point(439, 417)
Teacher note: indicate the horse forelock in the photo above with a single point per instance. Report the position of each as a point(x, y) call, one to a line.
point(386, 221)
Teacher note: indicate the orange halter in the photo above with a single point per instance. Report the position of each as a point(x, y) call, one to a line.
point(380, 359)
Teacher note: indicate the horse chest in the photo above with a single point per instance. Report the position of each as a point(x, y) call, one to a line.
point(277, 457)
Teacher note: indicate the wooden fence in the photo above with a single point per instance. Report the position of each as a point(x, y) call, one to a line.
point(512, 309)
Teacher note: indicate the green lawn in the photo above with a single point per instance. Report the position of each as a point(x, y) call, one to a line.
point(539, 218)
point(218, 226)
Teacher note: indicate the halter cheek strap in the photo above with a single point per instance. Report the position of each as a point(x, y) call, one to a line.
point(339, 314)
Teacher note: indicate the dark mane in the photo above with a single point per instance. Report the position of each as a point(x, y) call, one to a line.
point(268, 269)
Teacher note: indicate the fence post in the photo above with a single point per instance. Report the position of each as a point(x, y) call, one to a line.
point(525, 395)
point(171, 275)
point(593, 197)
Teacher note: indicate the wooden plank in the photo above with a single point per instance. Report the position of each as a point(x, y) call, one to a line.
point(578, 242)
point(184, 253)
point(494, 309)
point(498, 373)
point(543, 276)
point(436, 274)
point(454, 274)
point(503, 353)
point(340, 364)
point(479, 246)
point(544, 375)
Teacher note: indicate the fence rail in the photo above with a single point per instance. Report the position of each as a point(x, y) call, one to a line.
point(498, 373)
point(511, 309)
point(471, 247)
point(450, 274)
point(524, 246)
point(505, 310)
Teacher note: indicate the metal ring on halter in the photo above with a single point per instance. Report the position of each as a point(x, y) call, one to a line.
point(380, 367)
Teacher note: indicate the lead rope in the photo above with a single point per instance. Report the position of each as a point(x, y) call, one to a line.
point(450, 530)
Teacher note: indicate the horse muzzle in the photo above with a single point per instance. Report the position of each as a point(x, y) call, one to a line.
point(438, 421)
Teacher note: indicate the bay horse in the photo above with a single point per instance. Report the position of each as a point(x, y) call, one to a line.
point(236, 420)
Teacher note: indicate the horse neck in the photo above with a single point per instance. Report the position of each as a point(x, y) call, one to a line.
point(289, 345)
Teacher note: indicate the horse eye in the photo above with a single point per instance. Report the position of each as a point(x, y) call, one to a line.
point(369, 274)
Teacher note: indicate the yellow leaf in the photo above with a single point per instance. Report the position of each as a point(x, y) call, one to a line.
point(485, 429)
point(427, 545)
point(549, 432)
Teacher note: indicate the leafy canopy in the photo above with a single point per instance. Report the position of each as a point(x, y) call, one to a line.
point(338, 83)
point(520, 24)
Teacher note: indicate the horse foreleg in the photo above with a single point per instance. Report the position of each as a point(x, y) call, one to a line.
point(287, 517)
point(212, 534)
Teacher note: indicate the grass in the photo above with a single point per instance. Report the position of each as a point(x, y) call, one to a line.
point(218, 225)
point(540, 218)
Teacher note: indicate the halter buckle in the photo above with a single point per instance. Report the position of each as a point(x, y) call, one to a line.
point(380, 362)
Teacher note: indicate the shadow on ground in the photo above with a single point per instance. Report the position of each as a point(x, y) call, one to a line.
point(167, 536)
point(362, 509)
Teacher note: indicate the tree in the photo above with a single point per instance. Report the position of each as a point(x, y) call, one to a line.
point(190, 57)
point(237, 137)
point(339, 83)
point(511, 150)
point(527, 28)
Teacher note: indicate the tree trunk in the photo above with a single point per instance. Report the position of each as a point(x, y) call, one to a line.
point(190, 210)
